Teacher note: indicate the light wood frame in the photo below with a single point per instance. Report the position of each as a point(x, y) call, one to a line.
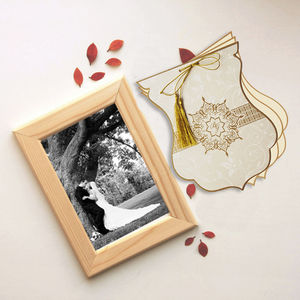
point(179, 218)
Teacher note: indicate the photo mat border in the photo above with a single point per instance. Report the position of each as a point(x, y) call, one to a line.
point(93, 261)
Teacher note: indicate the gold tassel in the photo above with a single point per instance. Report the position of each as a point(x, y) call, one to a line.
point(185, 136)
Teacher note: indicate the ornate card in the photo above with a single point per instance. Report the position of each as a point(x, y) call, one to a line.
point(225, 133)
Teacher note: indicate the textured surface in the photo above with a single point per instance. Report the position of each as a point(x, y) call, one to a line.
point(256, 252)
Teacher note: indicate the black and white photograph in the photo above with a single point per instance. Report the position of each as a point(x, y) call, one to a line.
point(105, 176)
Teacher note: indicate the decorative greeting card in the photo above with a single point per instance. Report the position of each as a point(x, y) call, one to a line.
point(225, 133)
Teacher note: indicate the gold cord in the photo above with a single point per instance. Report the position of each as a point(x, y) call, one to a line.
point(208, 62)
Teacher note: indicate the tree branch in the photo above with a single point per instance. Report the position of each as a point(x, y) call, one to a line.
point(93, 124)
point(111, 127)
point(124, 143)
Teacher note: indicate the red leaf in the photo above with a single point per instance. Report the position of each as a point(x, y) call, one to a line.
point(186, 55)
point(78, 77)
point(115, 45)
point(189, 241)
point(190, 190)
point(97, 76)
point(114, 62)
point(202, 248)
point(209, 234)
point(91, 53)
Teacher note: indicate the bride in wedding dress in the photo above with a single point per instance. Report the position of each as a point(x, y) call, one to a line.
point(114, 216)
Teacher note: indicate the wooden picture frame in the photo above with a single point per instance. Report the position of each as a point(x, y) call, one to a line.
point(179, 218)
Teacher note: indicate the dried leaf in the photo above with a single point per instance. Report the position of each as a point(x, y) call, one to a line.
point(115, 45)
point(190, 190)
point(202, 248)
point(189, 241)
point(209, 234)
point(114, 62)
point(186, 55)
point(97, 76)
point(78, 77)
point(92, 53)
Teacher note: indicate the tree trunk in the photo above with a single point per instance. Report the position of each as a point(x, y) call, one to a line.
point(64, 154)
point(56, 150)
point(66, 169)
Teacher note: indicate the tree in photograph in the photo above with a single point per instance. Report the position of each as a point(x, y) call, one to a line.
point(74, 156)
point(98, 149)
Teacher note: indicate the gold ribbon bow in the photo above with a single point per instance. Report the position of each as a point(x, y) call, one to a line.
point(184, 136)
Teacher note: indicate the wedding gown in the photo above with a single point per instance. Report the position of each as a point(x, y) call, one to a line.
point(116, 217)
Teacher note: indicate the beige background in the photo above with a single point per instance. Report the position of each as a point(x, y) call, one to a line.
point(256, 254)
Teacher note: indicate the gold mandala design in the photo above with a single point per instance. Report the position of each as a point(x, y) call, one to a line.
point(215, 126)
